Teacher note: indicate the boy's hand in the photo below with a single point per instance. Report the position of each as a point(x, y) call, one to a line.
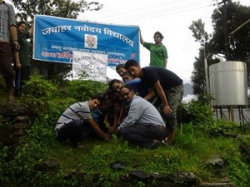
point(18, 65)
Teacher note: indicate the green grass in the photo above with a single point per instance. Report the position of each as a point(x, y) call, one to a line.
point(190, 156)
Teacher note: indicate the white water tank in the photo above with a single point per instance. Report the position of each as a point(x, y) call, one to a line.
point(228, 83)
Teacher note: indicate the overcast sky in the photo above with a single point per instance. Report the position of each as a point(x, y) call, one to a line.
point(171, 17)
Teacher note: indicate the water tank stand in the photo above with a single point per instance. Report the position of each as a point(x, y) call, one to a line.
point(244, 120)
point(231, 113)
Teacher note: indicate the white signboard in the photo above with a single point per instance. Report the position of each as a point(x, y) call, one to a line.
point(94, 65)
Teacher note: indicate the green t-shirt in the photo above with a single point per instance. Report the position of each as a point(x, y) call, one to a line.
point(158, 53)
point(24, 49)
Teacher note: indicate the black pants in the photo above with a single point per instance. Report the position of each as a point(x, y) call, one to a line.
point(6, 68)
point(144, 134)
point(75, 131)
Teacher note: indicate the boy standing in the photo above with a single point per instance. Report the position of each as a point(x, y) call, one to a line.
point(8, 26)
point(168, 86)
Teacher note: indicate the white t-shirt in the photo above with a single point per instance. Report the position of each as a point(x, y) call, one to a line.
point(78, 110)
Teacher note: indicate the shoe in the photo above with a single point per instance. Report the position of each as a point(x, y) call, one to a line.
point(155, 145)
point(80, 146)
point(11, 102)
point(165, 144)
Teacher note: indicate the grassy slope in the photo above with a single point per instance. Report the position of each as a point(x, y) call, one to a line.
point(189, 153)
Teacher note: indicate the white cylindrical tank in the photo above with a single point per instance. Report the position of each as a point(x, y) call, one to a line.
point(228, 83)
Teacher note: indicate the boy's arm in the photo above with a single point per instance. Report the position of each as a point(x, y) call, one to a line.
point(151, 93)
point(165, 62)
point(17, 59)
point(121, 117)
point(13, 34)
point(97, 129)
point(141, 39)
point(115, 125)
point(160, 92)
point(31, 30)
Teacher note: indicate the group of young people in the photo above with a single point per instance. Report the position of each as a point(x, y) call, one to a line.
point(142, 108)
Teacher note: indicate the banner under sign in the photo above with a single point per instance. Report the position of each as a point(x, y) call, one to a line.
point(56, 39)
point(93, 65)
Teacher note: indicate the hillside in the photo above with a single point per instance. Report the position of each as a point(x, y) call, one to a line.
point(188, 89)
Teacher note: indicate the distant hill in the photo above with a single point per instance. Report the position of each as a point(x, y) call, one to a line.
point(188, 89)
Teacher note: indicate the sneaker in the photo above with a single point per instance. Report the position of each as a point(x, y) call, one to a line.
point(155, 145)
point(165, 144)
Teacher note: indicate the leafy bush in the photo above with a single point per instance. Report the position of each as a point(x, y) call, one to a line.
point(199, 114)
point(83, 89)
point(39, 88)
point(37, 92)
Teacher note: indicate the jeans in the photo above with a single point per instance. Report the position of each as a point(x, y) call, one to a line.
point(75, 131)
point(144, 134)
point(18, 81)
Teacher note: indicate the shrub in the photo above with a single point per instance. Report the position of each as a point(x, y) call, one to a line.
point(83, 89)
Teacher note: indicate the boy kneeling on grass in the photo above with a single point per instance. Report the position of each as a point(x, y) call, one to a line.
point(143, 125)
point(76, 122)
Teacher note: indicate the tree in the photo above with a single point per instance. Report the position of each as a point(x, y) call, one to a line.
point(199, 33)
point(60, 8)
point(239, 48)
point(198, 75)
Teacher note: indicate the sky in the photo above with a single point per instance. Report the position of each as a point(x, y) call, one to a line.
point(171, 17)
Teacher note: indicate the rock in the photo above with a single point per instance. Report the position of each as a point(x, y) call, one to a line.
point(216, 164)
point(225, 179)
point(22, 119)
point(17, 126)
point(19, 132)
point(47, 166)
point(13, 109)
point(118, 165)
point(78, 174)
point(159, 176)
point(217, 185)
point(245, 148)
point(230, 135)
point(187, 178)
point(138, 174)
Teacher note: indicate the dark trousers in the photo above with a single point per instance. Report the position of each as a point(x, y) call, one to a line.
point(144, 134)
point(6, 67)
point(18, 82)
point(75, 131)
point(22, 75)
point(174, 96)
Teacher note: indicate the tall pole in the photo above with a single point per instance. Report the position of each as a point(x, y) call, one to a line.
point(226, 47)
point(206, 70)
point(225, 27)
